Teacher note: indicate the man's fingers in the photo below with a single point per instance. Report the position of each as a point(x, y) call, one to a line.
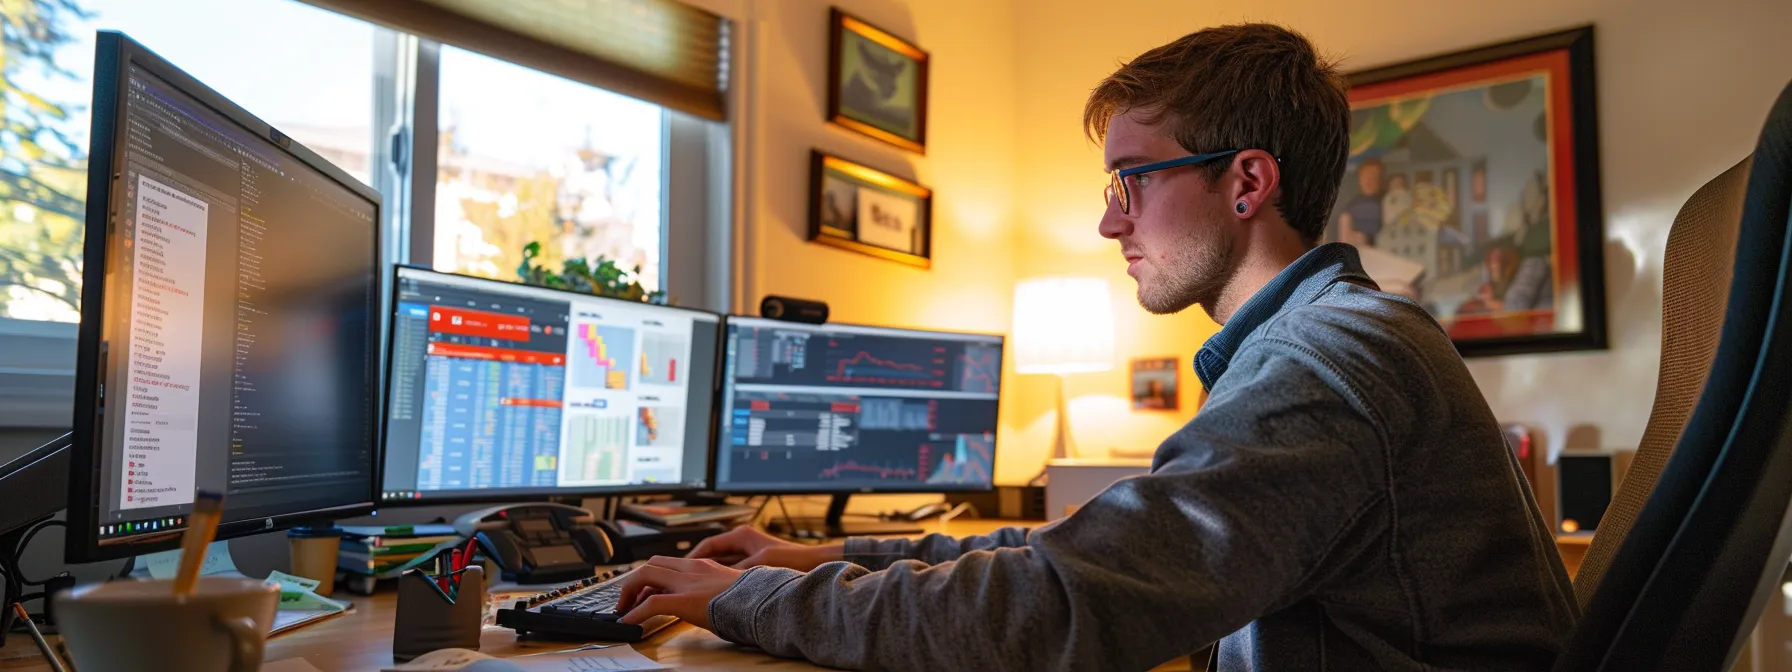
point(653, 606)
point(714, 547)
point(678, 564)
point(645, 576)
point(750, 561)
point(732, 542)
point(636, 599)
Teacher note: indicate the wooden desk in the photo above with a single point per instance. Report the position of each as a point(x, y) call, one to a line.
point(363, 640)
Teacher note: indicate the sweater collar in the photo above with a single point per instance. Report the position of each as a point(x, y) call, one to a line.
point(1297, 285)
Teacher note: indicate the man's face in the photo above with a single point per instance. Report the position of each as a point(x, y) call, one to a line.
point(1180, 235)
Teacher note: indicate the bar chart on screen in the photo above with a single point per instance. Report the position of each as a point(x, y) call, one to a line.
point(600, 356)
point(660, 355)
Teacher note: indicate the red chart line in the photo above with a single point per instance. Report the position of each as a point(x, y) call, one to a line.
point(866, 356)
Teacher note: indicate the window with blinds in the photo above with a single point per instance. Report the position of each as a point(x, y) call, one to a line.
point(661, 51)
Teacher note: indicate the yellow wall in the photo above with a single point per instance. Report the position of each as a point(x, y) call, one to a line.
point(969, 164)
point(1683, 88)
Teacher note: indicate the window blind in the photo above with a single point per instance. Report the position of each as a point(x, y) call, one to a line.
point(661, 51)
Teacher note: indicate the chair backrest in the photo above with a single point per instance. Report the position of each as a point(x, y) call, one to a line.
point(1693, 570)
point(1695, 285)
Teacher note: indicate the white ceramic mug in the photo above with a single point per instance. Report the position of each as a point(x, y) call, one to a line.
point(142, 625)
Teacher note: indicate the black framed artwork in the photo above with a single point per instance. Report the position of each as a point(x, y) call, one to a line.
point(856, 207)
point(1472, 187)
point(877, 83)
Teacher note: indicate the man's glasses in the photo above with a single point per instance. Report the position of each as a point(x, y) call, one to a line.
point(1117, 188)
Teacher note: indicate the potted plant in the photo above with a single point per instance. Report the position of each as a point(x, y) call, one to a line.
point(604, 278)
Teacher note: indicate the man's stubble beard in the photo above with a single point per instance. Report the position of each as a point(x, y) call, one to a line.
point(1194, 273)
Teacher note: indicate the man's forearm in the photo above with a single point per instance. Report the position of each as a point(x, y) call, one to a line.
point(1004, 612)
point(872, 553)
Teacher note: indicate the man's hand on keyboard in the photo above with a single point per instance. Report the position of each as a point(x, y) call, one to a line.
point(746, 546)
point(673, 586)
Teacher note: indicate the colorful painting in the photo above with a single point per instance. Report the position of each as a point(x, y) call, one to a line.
point(859, 208)
point(1473, 188)
point(877, 83)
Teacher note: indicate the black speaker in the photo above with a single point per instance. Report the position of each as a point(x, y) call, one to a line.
point(1012, 502)
point(793, 309)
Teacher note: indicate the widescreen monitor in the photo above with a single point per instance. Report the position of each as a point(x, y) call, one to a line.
point(842, 408)
point(229, 325)
point(502, 391)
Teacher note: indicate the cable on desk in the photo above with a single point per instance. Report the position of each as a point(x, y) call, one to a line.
point(18, 552)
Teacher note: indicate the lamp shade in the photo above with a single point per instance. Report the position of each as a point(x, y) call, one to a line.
point(1063, 325)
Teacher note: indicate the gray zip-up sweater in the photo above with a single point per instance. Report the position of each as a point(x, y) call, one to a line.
point(1344, 501)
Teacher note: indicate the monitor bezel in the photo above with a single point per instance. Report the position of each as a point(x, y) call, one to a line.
point(545, 494)
point(715, 459)
point(115, 52)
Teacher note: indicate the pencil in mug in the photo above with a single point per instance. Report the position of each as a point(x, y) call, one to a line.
point(202, 525)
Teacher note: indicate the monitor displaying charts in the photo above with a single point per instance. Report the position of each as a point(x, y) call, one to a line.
point(505, 390)
point(831, 408)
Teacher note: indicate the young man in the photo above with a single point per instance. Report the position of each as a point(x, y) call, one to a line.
point(1344, 501)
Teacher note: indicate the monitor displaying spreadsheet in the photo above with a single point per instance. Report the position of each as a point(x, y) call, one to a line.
point(505, 390)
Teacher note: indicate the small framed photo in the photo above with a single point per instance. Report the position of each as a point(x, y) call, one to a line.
point(877, 83)
point(859, 208)
point(1154, 384)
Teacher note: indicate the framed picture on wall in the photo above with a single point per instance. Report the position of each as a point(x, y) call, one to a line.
point(859, 208)
point(1155, 384)
point(877, 83)
point(1472, 187)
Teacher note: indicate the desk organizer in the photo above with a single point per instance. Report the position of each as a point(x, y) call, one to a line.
point(428, 619)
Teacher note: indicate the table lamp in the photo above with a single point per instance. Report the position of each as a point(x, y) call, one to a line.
point(1063, 326)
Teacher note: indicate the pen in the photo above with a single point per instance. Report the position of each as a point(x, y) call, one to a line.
point(201, 526)
point(42, 645)
point(466, 554)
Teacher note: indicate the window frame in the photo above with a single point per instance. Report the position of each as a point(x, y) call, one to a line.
point(696, 221)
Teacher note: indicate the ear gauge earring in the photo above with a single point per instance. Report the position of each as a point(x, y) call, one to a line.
point(1242, 207)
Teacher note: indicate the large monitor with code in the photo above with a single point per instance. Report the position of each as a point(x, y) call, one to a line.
point(503, 391)
point(229, 319)
point(840, 408)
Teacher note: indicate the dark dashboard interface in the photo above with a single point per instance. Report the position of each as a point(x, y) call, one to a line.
point(843, 408)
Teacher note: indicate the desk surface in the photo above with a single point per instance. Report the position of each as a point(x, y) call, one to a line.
point(363, 640)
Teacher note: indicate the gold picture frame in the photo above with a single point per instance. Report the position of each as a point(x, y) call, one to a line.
point(856, 207)
point(877, 83)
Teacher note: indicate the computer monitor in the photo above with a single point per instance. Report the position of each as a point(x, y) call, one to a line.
point(840, 408)
point(501, 391)
point(228, 319)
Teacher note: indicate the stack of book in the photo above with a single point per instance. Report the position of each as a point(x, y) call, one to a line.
point(371, 553)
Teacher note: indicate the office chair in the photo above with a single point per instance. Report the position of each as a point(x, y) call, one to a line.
point(1695, 540)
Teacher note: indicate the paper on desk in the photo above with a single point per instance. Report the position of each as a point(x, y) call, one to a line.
point(299, 594)
point(616, 658)
point(165, 564)
point(289, 582)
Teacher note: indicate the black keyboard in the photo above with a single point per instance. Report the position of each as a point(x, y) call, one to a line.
point(582, 610)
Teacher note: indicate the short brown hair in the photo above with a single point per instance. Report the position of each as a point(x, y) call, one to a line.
point(1248, 86)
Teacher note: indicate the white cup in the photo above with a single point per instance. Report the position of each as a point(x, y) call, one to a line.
point(142, 625)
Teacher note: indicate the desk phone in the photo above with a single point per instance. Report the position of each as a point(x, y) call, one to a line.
point(541, 542)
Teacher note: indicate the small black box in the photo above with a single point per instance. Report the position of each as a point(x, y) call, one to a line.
point(641, 541)
point(1010, 502)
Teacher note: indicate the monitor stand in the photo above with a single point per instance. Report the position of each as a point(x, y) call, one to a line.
point(834, 527)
